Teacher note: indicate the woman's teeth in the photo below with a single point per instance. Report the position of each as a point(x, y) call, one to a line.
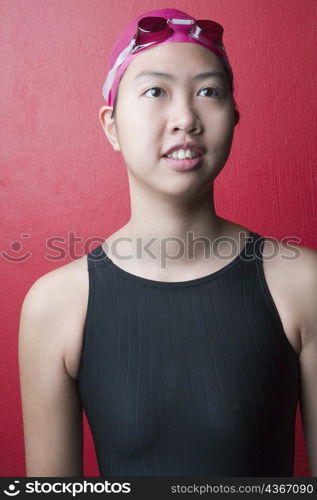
point(182, 154)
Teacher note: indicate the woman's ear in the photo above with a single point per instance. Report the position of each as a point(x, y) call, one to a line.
point(236, 116)
point(236, 112)
point(109, 126)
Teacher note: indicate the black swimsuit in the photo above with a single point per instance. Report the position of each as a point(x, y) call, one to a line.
point(191, 378)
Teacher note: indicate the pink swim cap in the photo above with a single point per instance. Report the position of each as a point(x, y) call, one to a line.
point(122, 47)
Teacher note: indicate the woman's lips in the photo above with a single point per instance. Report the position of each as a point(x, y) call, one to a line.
point(184, 165)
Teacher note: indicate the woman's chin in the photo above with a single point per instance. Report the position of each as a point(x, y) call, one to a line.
point(181, 188)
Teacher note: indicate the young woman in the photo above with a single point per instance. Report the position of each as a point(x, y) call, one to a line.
point(187, 349)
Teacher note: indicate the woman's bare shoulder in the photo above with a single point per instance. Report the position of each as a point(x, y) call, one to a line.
point(291, 273)
point(289, 256)
point(59, 299)
point(59, 286)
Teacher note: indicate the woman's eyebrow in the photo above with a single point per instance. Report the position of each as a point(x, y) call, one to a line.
point(168, 76)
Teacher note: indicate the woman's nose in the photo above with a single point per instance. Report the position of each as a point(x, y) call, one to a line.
point(183, 116)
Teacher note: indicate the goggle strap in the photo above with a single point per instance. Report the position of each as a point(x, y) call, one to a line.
point(112, 73)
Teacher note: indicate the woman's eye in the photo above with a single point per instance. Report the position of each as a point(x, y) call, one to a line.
point(155, 92)
point(153, 88)
point(214, 90)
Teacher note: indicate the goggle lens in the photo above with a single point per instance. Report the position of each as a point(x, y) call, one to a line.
point(207, 31)
point(155, 29)
point(152, 29)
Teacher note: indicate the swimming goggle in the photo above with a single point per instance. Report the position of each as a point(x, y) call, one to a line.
point(153, 30)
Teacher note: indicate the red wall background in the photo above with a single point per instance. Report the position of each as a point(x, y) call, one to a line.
point(61, 179)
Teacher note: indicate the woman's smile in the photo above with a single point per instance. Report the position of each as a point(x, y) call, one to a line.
point(185, 164)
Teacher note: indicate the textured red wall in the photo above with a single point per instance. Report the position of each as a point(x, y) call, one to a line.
point(61, 178)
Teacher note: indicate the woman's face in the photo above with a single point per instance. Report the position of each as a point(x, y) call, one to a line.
point(154, 113)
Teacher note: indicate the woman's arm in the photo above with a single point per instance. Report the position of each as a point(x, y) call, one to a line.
point(308, 357)
point(52, 415)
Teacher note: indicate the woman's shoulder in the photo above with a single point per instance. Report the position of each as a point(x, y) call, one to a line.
point(290, 271)
point(58, 301)
point(59, 285)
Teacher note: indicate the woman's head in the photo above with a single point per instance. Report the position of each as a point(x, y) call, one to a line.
point(190, 100)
